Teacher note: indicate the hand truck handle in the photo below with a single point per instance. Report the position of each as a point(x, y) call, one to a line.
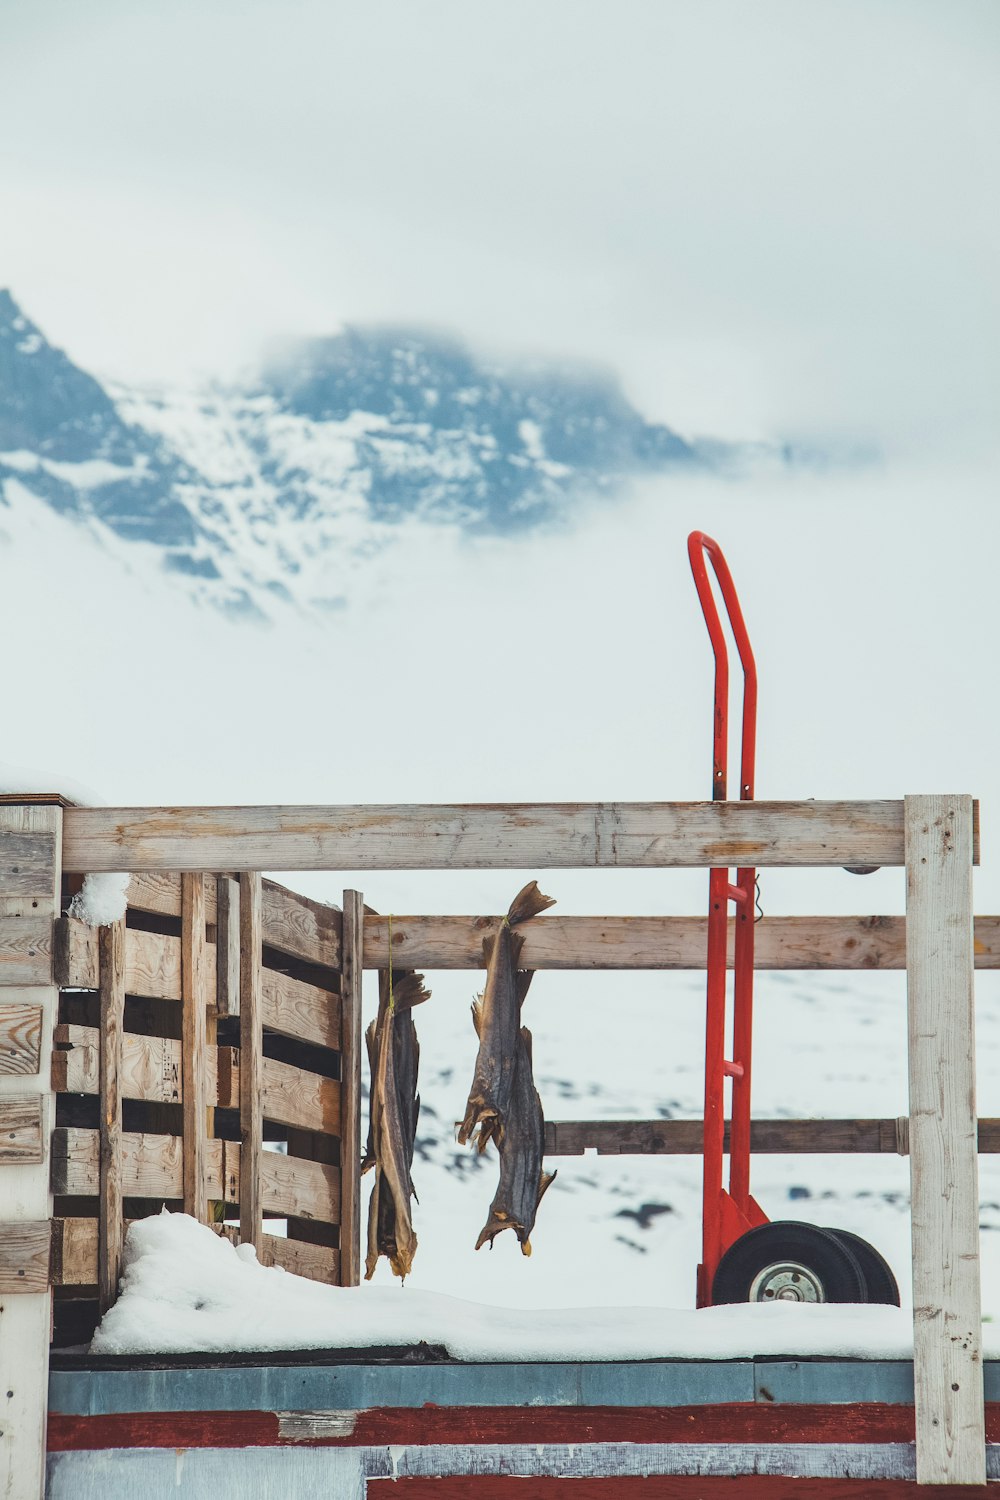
point(701, 546)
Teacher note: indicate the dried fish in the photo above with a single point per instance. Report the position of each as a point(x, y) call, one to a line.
point(497, 1021)
point(522, 1181)
point(394, 1058)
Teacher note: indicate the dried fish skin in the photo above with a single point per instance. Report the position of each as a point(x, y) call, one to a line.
point(497, 1018)
point(394, 1057)
point(523, 1183)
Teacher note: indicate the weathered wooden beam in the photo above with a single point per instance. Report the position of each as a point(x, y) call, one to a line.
point(251, 1060)
point(152, 1168)
point(30, 889)
point(578, 942)
point(767, 1137)
point(111, 948)
point(947, 1326)
point(195, 1000)
point(524, 836)
point(350, 1087)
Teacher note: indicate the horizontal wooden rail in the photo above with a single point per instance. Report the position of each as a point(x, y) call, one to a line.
point(767, 1137)
point(151, 1168)
point(494, 836)
point(552, 942)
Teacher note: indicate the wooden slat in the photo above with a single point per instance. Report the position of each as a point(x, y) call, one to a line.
point(227, 946)
point(251, 1060)
point(152, 1168)
point(300, 1010)
point(350, 1093)
point(194, 975)
point(24, 1257)
point(317, 1262)
point(947, 1327)
point(288, 1096)
point(300, 927)
point(160, 893)
point(26, 950)
point(495, 836)
point(111, 947)
point(20, 1039)
point(21, 1131)
point(767, 1137)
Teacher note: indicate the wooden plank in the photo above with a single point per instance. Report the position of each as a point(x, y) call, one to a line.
point(26, 950)
point(251, 1060)
point(288, 1095)
point(300, 927)
point(350, 1091)
point(20, 1039)
point(227, 946)
point(887, 1137)
point(159, 893)
point(111, 944)
point(316, 1262)
point(947, 1328)
point(300, 1010)
point(24, 1257)
point(152, 1168)
point(493, 836)
point(21, 1131)
point(30, 888)
point(194, 975)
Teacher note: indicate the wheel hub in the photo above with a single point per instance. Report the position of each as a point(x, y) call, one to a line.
point(787, 1281)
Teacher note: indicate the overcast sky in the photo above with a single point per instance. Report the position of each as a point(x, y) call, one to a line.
point(773, 217)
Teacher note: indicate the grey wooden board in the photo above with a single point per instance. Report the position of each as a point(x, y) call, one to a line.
point(207, 1474)
point(363, 1387)
point(359, 1387)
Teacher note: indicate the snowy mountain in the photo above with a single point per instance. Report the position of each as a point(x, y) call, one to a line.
point(277, 489)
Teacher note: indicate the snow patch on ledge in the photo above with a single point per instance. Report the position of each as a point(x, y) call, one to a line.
point(103, 899)
point(187, 1290)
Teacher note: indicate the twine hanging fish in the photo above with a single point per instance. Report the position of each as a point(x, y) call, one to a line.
point(394, 1058)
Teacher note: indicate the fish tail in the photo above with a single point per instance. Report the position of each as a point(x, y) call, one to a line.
point(528, 903)
point(409, 990)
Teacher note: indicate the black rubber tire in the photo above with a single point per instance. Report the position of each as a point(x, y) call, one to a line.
point(879, 1280)
point(827, 1257)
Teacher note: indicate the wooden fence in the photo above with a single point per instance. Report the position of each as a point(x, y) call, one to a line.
point(199, 1060)
point(224, 1016)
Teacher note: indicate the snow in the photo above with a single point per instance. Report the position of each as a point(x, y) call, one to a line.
point(88, 474)
point(187, 1290)
point(102, 900)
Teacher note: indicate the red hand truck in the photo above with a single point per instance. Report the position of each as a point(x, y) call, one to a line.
point(746, 1256)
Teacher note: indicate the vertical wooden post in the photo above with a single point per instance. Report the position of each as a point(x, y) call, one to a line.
point(251, 1060)
point(227, 942)
point(111, 1219)
point(352, 966)
point(30, 877)
point(194, 1063)
point(944, 1178)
